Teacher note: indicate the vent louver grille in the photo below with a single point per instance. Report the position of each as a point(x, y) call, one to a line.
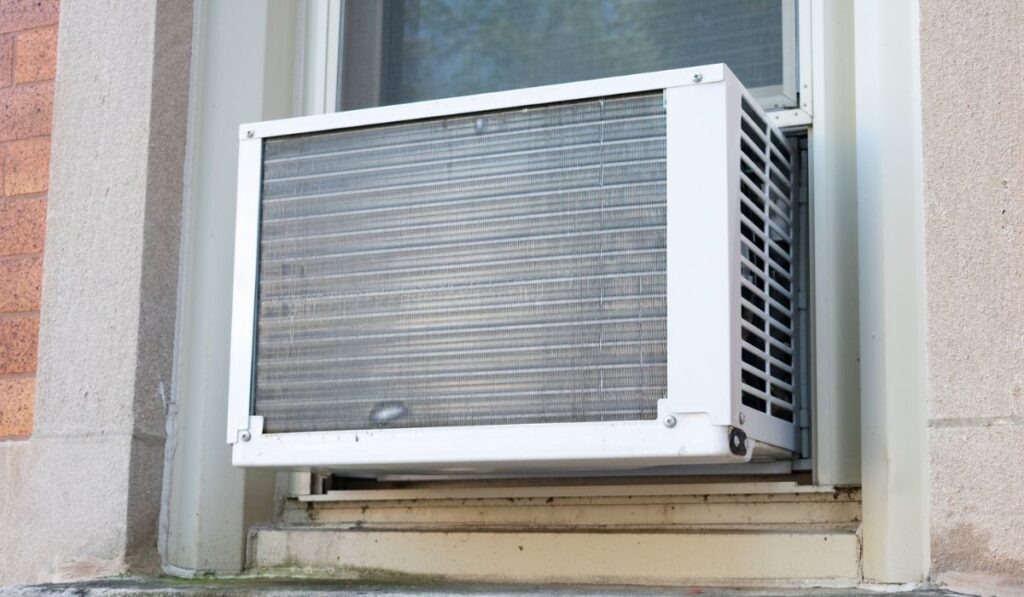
point(767, 292)
point(496, 268)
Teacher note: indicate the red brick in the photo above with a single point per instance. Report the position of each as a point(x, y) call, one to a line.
point(17, 401)
point(16, 15)
point(19, 338)
point(6, 60)
point(20, 281)
point(22, 226)
point(35, 55)
point(27, 166)
point(26, 111)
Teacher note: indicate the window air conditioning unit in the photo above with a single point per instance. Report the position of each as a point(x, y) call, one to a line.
point(579, 276)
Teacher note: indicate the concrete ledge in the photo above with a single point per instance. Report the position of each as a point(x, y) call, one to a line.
point(646, 534)
point(828, 558)
point(307, 587)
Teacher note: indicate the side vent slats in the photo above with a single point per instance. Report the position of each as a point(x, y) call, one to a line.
point(766, 268)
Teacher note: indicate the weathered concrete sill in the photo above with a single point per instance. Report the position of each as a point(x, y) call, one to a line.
point(287, 587)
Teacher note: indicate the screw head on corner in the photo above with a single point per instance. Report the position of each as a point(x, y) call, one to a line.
point(245, 436)
point(250, 133)
point(669, 421)
point(697, 77)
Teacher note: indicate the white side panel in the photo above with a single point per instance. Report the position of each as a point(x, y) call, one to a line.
point(758, 425)
point(243, 306)
point(699, 252)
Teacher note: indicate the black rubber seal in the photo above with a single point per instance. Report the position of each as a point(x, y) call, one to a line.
point(737, 442)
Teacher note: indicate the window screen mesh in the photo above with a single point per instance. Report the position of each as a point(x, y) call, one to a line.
point(497, 268)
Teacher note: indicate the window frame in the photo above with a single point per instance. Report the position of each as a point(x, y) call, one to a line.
point(251, 62)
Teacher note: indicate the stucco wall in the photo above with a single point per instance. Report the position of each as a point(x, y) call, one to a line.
point(972, 111)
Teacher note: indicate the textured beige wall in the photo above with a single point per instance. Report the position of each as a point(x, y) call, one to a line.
point(972, 62)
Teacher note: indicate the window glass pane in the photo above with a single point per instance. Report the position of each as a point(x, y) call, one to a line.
point(441, 48)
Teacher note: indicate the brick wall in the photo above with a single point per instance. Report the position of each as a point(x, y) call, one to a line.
point(28, 57)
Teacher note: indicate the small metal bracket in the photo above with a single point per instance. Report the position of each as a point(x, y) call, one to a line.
point(320, 483)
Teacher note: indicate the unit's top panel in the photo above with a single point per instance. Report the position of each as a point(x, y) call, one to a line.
point(516, 98)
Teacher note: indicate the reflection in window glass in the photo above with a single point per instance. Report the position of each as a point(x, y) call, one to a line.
point(441, 48)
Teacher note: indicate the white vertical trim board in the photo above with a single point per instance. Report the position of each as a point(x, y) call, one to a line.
point(833, 186)
point(332, 59)
point(242, 71)
point(892, 309)
point(321, 50)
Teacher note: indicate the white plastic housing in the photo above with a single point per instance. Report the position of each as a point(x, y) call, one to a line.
point(702, 419)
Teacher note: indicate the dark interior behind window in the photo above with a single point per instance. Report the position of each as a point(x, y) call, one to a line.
point(400, 51)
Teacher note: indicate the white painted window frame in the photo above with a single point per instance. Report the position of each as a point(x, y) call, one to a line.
point(321, 55)
point(210, 505)
point(802, 114)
